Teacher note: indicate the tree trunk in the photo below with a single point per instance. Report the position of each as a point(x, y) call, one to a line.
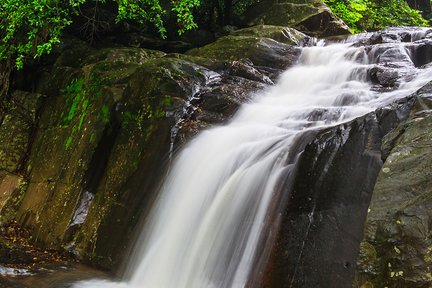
point(5, 76)
point(227, 15)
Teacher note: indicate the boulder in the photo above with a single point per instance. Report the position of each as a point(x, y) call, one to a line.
point(281, 34)
point(396, 250)
point(312, 17)
point(322, 205)
point(266, 54)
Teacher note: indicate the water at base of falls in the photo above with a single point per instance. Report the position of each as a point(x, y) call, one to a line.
point(208, 220)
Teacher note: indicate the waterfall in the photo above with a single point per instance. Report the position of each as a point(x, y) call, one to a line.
point(207, 222)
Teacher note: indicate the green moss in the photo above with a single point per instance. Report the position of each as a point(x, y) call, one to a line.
point(80, 97)
point(105, 113)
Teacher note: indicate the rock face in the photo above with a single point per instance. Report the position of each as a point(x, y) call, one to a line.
point(16, 137)
point(312, 17)
point(257, 45)
point(397, 247)
point(86, 164)
point(321, 224)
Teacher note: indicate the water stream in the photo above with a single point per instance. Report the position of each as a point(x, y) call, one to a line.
point(207, 222)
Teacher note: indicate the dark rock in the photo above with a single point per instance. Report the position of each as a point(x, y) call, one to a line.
point(16, 129)
point(387, 54)
point(140, 40)
point(392, 35)
point(421, 52)
point(328, 201)
point(324, 202)
point(79, 126)
point(323, 24)
point(397, 246)
point(386, 77)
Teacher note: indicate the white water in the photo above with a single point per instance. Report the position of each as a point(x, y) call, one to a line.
point(212, 207)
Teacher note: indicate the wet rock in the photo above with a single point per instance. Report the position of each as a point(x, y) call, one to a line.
point(392, 35)
point(324, 202)
point(387, 54)
point(225, 99)
point(329, 207)
point(421, 52)
point(17, 130)
point(396, 250)
point(386, 77)
point(311, 17)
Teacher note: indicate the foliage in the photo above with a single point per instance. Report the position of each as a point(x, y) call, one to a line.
point(30, 28)
point(366, 15)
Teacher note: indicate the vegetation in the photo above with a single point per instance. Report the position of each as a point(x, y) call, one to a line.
point(366, 15)
point(30, 28)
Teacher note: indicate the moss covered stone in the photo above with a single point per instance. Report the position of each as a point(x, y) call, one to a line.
point(311, 17)
point(16, 129)
point(261, 51)
point(397, 240)
point(281, 34)
point(74, 121)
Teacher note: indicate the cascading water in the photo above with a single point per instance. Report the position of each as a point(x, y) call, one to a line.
point(207, 222)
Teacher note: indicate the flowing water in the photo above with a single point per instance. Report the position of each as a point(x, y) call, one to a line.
point(207, 222)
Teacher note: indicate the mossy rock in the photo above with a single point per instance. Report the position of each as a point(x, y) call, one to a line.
point(75, 118)
point(17, 128)
point(311, 17)
point(281, 34)
point(109, 65)
point(12, 189)
point(108, 124)
point(261, 51)
point(398, 229)
point(155, 97)
point(289, 14)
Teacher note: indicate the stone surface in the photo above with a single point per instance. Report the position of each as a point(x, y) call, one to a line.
point(77, 131)
point(266, 54)
point(312, 17)
point(16, 129)
point(397, 247)
point(323, 204)
point(281, 34)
